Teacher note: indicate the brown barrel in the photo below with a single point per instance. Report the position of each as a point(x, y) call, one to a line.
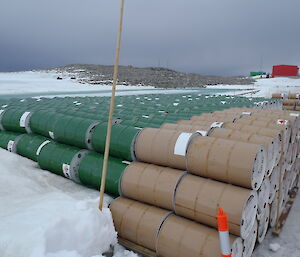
point(249, 242)
point(263, 197)
point(269, 123)
point(180, 237)
point(293, 96)
point(214, 118)
point(294, 121)
point(201, 122)
point(137, 222)
point(290, 102)
point(278, 96)
point(263, 225)
point(237, 135)
point(237, 111)
point(234, 162)
point(162, 147)
point(199, 198)
point(151, 184)
point(277, 134)
point(291, 108)
point(185, 128)
point(273, 211)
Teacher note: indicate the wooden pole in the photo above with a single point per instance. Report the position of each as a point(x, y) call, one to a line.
point(111, 109)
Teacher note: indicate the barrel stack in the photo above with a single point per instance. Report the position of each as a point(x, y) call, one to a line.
point(243, 160)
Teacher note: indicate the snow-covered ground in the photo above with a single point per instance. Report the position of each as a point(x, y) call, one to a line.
point(266, 87)
point(45, 82)
point(42, 214)
point(45, 215)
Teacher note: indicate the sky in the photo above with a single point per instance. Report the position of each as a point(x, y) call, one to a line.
point(213, 37)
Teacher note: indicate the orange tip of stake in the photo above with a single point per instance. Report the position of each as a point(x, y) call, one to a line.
point(222, 220)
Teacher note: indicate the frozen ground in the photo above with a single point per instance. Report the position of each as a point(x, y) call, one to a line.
point(288, 239)
point(45, 84)
point(44, 215)
point(266, 87)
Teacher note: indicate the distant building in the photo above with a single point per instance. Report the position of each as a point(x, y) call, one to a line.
point(257, 73)
point(285, 71)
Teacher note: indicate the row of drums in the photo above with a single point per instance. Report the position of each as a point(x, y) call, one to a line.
point(184, 172)
point(289, 101)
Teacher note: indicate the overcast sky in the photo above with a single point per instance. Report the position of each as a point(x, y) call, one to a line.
point(218, 37)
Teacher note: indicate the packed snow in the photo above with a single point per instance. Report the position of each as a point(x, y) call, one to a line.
point(45, 215)
point(46, 82)
point(266, 87)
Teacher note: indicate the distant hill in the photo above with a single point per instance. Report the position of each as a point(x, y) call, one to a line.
point(152, 76)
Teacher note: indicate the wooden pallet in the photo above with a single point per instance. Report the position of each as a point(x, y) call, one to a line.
point(136, 248)
point(283, 217)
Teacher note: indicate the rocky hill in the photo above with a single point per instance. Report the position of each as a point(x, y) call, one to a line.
point(152, 76)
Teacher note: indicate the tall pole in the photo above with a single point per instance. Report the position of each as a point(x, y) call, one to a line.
point(112, 107)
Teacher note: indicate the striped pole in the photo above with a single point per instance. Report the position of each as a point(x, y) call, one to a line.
point(224, 234)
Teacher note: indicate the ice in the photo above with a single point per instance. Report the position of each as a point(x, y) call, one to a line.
point(274, 247)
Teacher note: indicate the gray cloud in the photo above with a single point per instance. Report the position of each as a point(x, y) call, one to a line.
point(204, 36)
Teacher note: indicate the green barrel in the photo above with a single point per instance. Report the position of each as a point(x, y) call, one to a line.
point(42, 122)
point(74, 131)
point(8, 140)
point(16, 120)
point(122, 140)
point(90, 172)
point(61, 159)
point(29, 144)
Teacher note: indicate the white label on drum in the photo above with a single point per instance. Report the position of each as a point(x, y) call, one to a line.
point(4, 106)
point(51, 134)
point(23, 119)
point(217, 125)
point(202, 132)
point(294, 114)
point(182, 143)
point(247, 113)
point(10, 145)
point(66, 170)
point(282, 122)
point(41, 146)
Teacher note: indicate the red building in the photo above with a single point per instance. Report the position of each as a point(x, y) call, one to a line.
point(285, 71)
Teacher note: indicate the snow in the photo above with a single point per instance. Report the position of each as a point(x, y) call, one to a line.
point(45, 215)
point(45, 82)
point(265, 87)
point(274, 247)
